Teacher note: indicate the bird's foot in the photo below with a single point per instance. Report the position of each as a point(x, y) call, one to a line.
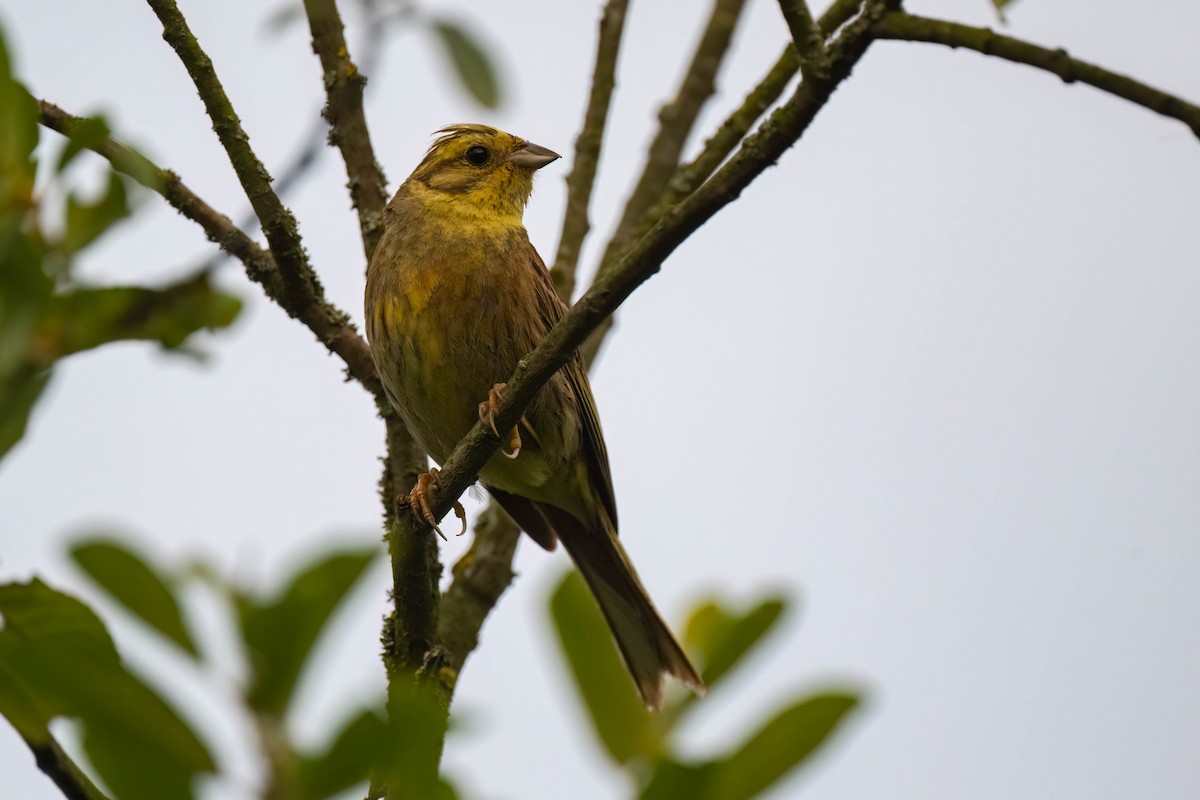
point(487, 413)
point(417, 501)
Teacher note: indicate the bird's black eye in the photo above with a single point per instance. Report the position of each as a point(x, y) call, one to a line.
point(478, 155)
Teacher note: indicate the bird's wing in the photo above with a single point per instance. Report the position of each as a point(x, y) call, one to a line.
point(551, 308)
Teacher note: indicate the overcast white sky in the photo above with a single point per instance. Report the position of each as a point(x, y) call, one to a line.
point(936, 375)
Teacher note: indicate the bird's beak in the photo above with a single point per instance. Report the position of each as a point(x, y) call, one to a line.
point(533, 156)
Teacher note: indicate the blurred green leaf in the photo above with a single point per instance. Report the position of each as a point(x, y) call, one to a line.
point(471, 61)
point(409, 764)
point(133, 583)
point(280, 634)
point(86, 222)
point(18, 136)
point(24, 294)
point(18, 394)
point(347, 761)
point(784, 743)
point(283, 17)
point(672, 780)
point(57, 659)
point(1001, 6)
point(722, 637)
point(623, 724)
point(86, 134)
point(86, 318)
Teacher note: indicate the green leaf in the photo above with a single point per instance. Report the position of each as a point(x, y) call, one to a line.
point(360, 743)
point(280, 633)
point(18, 136)
point(86, 222)
point(24, 294)
point(672, 780)
point(723, 637)
point(86, 134)
point(1001, 6)
point(783, 744)
point(18, 395)
point(283, 17)
point(86, 318)
point(471, 62)
point(623, 724)
point(133, 583)
point(57, 659)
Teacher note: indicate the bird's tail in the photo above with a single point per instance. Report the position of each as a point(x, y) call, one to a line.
point(646, 643)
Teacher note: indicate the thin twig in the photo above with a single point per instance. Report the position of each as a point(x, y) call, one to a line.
point(587, 149)
point(348, 125)
point(60, 768)
point(676, 120)
point(806, 36)
point(330, 325)
point(907, 27)
point(641, 261)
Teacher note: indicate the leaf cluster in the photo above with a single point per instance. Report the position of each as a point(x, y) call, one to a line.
point(647, 745)
point(45, 314)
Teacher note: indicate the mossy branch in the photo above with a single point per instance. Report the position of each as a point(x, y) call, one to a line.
point(344, 86)
point(807, 36)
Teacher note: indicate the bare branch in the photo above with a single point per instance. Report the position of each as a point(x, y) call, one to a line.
point(676, 120)
point(907, 27)
point(300, 282)
point(806, 36)
point(348, 125)
point(587, 149)
point(66, 774)
point(687, 178)
point(330, 325)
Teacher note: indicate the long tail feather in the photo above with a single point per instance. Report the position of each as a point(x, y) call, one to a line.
point(646, 643)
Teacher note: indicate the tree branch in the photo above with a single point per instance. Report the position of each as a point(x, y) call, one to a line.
point(688, 178)
point(480, 577)
point(806, 36)
point(330, 325)
point(66, 774)
point(348, 125)
point(587, 149)
point(641, 261)
point(301, 286)
point(907, 27)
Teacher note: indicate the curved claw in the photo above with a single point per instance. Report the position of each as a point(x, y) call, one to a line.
point(417, 501)
point(487, 413)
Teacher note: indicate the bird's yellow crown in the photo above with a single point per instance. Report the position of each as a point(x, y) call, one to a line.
point(478, 172)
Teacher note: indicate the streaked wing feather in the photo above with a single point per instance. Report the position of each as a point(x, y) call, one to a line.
point(552, 308)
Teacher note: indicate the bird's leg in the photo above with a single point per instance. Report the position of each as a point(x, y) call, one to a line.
point(487, 413)
point(417, 501)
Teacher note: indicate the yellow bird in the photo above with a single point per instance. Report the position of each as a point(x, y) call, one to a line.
point(456, 295)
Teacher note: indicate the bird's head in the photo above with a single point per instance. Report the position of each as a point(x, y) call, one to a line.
point(480, 171)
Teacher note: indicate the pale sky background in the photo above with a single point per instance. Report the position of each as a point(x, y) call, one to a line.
point(936, 375)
